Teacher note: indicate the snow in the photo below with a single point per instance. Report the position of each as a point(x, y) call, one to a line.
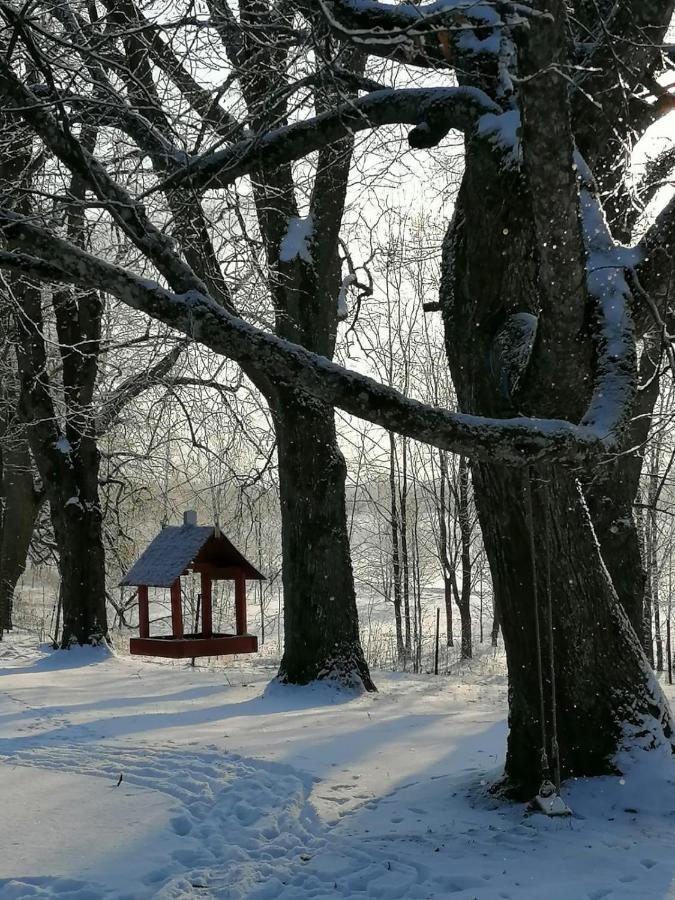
point(234, 790)
point(469, 42)
point(63, 445)
point(606, 281)
point(176, 547)
point(342, 306)
point(503, 131)
point(295, 243)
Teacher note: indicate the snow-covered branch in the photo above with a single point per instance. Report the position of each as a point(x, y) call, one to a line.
point(428, 35)
point(518, 441)
point(432, 111)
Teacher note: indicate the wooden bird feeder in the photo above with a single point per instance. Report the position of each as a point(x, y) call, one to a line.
point(178, 550)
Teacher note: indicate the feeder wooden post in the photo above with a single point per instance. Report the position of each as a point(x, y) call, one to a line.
point(176, 610)
point(143, 611)
point(207, 610)
point(240, 602)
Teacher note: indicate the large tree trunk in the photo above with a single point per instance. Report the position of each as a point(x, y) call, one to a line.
point(20, 506)
point(320, 619)
point(610, 502)
point(68, 465)
point(496, 625)
point(610, 492)
point(78, 533)
point(63, 444)
point(70, 473)
point(594, 642)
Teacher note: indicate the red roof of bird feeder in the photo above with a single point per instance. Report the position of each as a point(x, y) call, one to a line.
point(179, 547)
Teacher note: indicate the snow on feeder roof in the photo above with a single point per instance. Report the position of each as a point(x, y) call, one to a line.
point(179, 547)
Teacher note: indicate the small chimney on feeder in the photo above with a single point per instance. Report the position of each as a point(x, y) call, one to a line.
point(190, 517)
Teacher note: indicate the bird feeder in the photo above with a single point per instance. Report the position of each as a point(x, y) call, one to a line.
point(180, 550)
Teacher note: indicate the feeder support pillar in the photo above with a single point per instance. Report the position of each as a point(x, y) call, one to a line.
point(240, 602)
point(176, 610)
point(143, 611)
point(207, 608)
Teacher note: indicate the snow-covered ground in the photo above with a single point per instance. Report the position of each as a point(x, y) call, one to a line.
point(230, 789)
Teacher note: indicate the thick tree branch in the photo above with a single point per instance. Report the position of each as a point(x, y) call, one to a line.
point(433, 111)
point(430, 35)
point(514, 441)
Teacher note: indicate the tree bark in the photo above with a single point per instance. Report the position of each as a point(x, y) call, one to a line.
point(494, 631)
point(320, 613)
point(21, 503)
point(79, 535)
point(68, 464)
point(594, 642)
point(611, 490)
point(67, 458)
point(320, 620)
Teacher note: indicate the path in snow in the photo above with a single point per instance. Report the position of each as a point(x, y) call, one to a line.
point(381, 797)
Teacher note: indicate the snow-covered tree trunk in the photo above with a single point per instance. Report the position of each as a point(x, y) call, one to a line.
point(321, 629)
point(320, 615)
point(68, 463)
point(57, 411)
point(79, 536)
point(606, 691)
point(611, 492)
point(607, 694)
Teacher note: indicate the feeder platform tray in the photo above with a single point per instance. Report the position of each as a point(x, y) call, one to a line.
point(194, 645)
